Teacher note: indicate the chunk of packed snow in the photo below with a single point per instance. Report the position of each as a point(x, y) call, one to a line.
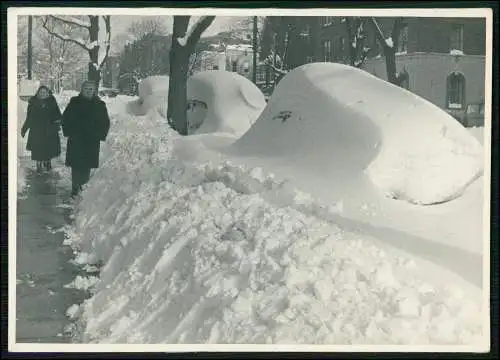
point(233, 102)
point(456, 52)
point(153, 95)
point(344, 123)
point(193, 253)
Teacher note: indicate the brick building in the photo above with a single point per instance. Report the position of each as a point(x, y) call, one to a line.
point(444, 58)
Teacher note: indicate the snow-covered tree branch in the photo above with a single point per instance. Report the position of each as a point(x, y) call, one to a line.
point(356, 34)
point(389, 46)
point(71, 21)
point(62, 37)
point(97, 49)
point(192, 36)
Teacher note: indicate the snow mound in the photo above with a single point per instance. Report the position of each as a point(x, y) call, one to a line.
point(478, 133)
point(345, 123)
point(193, 253)
point(232, 102)
point(153, 96)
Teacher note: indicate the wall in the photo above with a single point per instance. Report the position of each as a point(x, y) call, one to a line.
point(428, 74)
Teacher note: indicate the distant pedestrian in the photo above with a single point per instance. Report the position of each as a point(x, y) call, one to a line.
point(85, 124)
point(43, 122)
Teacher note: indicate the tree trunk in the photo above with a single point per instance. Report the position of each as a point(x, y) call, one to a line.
point(30, 46)
point(390, 65)
point(255, 50)
point(179, 66)
point(177, 94)
point(177, 87)
point(94, 73)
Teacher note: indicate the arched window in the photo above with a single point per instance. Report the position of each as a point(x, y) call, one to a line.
point(455, 90)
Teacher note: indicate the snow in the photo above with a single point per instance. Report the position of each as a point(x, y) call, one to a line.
point(225, 102)
point(405, 146)
point(183, 40)
point(153, 95)
point(456, 52)
point(104, 38)
point(220, 237)
point(233, 102)
point(220, 252)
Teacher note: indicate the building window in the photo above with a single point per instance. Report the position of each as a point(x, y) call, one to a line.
point(403, 40)
point(455, 87)
point(457, 37)
point(327, 50)
point(326, 20)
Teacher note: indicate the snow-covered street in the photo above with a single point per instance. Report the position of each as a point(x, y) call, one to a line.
point(218, 252)
point(252, 199)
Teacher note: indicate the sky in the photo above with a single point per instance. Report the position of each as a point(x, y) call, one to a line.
point(120, 23)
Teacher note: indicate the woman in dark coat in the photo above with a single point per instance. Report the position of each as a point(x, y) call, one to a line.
point(43, 122)
point(85, 124)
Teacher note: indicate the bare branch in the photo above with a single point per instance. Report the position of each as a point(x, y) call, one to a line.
point(378, 32)
point(70, 22)
point(63, 38)
point(198, 29)
point(107, 22)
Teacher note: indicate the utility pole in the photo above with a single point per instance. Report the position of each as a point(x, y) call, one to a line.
point(255, 50)
point(30, 47)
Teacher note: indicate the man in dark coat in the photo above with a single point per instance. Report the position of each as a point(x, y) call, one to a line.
point(85, 124)
point(42, 121)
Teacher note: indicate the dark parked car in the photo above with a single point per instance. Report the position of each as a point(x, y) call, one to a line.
point(474, 115)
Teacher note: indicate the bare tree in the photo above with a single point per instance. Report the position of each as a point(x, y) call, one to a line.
point(389, 46)
point(93, 45)
point(155, 25)
point(356, 33)
point(183, 45)
point(56, 58)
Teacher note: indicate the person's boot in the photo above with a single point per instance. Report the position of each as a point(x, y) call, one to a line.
point(48, 165)
point(38, 166)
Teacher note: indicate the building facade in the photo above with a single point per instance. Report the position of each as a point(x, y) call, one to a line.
point(443, 58)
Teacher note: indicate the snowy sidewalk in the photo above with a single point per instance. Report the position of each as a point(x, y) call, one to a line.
point(42, 262)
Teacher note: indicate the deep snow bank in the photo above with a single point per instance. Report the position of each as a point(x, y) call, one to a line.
point(343, 123)
point(233, 102)
point(193, 253)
